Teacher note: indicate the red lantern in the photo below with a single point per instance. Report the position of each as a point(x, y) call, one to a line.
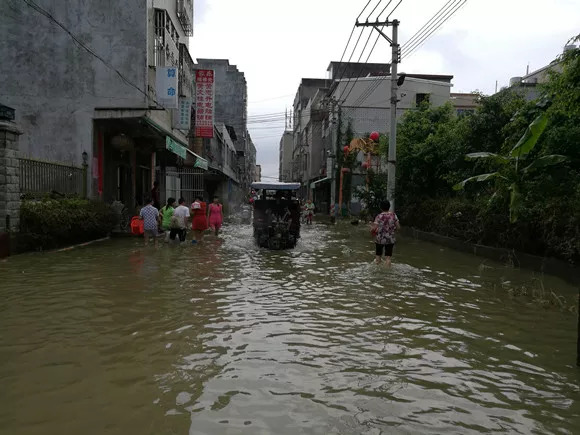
point(346, 149)
point(374, 136)
point(365, 165)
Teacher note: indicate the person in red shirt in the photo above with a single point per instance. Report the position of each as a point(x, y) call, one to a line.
point(199, 220)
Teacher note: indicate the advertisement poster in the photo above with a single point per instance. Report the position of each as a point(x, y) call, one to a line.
point(204, 102)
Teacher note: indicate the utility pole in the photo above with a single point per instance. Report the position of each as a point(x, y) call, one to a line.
point(391, 160)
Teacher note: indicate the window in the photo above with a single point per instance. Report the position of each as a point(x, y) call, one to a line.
point(421, 98)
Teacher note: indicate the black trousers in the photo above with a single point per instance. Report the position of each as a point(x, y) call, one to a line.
point(179, 232)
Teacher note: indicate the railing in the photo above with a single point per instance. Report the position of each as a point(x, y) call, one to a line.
point(38, 178)
point(185, 15)
point(166, 40)
point(186, 66)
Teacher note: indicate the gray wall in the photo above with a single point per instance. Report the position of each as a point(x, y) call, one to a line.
point(54, 85)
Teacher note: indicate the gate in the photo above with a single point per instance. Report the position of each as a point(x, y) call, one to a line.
point(186, 183)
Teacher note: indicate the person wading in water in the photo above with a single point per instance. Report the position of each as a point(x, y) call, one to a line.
point(384, 226)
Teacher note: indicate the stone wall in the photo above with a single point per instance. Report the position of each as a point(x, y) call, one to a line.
point(9, 175)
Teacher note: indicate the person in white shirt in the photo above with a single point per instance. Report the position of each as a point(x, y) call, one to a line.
point(179, 221)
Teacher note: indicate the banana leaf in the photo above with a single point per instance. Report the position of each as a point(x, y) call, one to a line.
point(481, 177)
point(530, 138)
point(544, 161)
point(486, 155)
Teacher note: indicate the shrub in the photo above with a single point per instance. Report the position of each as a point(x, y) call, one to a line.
point(53, 223)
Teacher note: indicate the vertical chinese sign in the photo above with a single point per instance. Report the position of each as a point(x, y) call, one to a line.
point(204, 102)
point(182, 117)
point(166, 86)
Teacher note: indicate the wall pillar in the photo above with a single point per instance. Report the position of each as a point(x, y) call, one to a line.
point(9, 175)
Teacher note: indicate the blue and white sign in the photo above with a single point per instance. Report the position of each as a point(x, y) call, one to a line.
point(182, 116)
point(166, 86)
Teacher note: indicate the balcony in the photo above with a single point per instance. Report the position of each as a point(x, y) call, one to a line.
point(166, 43)
point(185, 72)
point(185, 15)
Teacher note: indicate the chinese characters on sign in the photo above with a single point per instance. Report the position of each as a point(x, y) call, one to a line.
point(204, 99)
point(166, 86)
point(182, 116)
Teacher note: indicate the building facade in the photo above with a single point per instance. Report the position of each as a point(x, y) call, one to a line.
point(101, 96)
point(359, 94)
point(231, 109)
point(303, 124)
point(285, 154)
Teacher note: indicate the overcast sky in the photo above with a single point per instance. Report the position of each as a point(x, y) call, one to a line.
point(276, 43)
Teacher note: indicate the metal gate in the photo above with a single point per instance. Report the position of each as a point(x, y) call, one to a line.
point(186, 183)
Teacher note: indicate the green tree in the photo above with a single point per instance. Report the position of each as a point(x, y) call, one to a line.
point(510, 174)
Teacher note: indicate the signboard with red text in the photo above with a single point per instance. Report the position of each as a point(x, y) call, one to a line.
point(204, 102)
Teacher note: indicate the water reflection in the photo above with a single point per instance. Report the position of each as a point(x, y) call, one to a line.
point(224, 337)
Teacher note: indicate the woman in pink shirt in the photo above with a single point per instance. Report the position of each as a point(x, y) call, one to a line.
point(215, 215)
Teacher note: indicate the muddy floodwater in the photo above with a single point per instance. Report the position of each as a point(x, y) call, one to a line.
point(226, 338)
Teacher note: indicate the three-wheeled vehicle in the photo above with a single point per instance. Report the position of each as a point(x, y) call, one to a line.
point(276, 215)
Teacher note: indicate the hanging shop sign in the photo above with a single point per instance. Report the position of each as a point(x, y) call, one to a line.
point(174, 147)
point(166, 86)
point(204, 102)
point(182, 116)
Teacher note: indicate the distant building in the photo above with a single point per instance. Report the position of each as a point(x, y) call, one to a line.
point(527, 85)
point(464, 103)
point(286, 148)
point(360, 93)
point(302, 133)
point(231, 109)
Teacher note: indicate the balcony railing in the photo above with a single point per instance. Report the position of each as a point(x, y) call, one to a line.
point(166, 40)
point(185, 15)
point(185, 72)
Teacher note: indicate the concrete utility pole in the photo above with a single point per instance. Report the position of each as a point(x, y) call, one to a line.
point(395, 58)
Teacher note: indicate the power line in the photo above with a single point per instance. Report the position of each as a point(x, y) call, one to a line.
point(370, 53)
point(416, 35)
point(421, 42)
point(419, 39)
point(348, 42)
point(81, 44)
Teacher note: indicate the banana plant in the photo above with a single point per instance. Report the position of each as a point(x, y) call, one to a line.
point(509, 166)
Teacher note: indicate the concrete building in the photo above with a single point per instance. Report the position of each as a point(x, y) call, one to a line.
point(231, 109)
point(285, 153)
point(258, 173)
point(528, 84)
point(464, 103)
point(366, 101)
point(101, 97)
point(362, 93)
point(302, 133)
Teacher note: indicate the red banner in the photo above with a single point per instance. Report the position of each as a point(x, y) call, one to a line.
point(204, 102)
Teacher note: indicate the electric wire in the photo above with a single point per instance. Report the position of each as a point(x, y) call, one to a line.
point(420, 37)
point(416, 35)
point(426, 37)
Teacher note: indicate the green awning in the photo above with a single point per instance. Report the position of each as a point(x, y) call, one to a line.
point(200, 161)
point(313, 185)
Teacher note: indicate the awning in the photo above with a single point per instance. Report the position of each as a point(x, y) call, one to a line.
point(200, 162)
point(313, 185)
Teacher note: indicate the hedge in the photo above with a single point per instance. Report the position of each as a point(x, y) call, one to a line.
point(53, 223)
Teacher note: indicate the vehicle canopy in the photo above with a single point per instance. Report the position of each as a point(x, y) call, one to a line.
point(275, 185)
point(276, 189)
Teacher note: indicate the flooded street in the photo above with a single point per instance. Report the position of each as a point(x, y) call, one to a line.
point(228, 338)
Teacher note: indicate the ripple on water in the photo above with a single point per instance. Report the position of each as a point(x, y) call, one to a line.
point(228, 338)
